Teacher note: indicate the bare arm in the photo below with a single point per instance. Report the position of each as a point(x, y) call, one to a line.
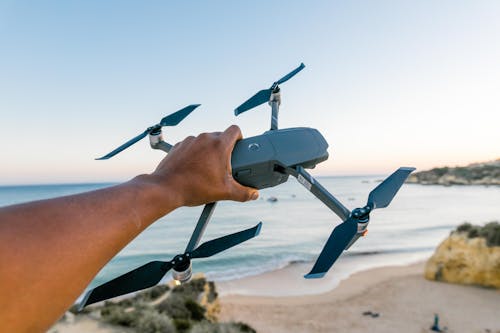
point(51, 249)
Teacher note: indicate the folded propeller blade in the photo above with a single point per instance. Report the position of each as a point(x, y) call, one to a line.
point(170, 120)
point(176, 117)
point(125, 145)
point(218, 245)
point(336, 243)
point(264, 96)
point(140, 278)
point(383, 194)
point(259, 98)
point(291, 74)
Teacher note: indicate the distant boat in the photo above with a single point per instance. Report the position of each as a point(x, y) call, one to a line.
point(272, 199)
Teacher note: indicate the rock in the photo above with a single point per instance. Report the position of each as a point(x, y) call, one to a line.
point(272, 199)
point(210, 300)
point(69, 317)
point(464, 260)
point(487, 173)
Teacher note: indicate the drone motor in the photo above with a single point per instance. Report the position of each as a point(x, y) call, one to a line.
point(183, 268)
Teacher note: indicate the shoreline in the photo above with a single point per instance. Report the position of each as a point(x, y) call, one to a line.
point(292, 282)
point(402, 298)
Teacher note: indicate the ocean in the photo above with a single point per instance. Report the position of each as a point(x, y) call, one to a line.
point(296, 226)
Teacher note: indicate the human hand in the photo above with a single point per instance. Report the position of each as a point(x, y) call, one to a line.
point(199, 170)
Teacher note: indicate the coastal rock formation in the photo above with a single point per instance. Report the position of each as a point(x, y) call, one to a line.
point(466, 257)
point(487, 173)
point(192, 307)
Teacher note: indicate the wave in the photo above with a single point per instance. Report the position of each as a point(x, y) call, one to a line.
point(433, 228)
point(390, 251)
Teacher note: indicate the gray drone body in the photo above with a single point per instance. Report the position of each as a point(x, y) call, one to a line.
point(260, 161)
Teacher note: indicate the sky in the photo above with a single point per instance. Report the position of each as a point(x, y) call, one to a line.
point(387, 83)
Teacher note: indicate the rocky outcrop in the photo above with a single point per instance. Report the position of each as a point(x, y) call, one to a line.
point(487, 173)
point(191, 307)
point(465, 260)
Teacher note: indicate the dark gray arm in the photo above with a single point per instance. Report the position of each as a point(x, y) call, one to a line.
point(275, 108)
point(162, 145)
point(205, 216)
point(319, 191)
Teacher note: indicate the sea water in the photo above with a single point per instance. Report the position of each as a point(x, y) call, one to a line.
point(296, 226)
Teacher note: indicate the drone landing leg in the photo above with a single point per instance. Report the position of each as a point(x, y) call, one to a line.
point(319, 191)
point(205, 216)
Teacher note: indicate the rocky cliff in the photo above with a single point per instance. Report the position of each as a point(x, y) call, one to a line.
point(470, 255)
point(487, 173)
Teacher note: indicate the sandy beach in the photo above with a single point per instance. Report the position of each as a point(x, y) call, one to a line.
point(404, 300)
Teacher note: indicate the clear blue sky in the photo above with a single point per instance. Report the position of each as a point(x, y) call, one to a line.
point(388, 83)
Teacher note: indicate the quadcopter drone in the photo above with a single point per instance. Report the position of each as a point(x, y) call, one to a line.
point(260, 161)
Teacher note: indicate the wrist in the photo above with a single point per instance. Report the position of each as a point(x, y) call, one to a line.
point(157, 196)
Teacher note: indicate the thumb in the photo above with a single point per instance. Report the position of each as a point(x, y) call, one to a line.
point(243, 193)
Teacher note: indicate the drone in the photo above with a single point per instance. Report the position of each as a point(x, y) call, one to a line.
point(261, 161)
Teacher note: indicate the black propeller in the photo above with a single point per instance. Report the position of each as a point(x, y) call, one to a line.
point(263, 96)
point(151, 273)
point(343, 235)
point(170, 120)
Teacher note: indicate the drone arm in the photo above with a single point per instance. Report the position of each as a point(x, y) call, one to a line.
point(156, 141)
point(205, 216)
point(275, 102)
point(162, 145)
point(313, 186)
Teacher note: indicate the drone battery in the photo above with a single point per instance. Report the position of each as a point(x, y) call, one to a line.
point(259, 161)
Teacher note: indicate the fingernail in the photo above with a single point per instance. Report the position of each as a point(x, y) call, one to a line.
point(255, 195)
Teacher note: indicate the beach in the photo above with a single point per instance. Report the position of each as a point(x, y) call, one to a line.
point(402, 298)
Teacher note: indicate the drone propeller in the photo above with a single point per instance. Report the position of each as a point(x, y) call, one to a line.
point(151, 273)
point(344, 234)
point(263, 96)
point(170, 120)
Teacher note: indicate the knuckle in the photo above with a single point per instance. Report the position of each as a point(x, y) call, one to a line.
point(189, 138)
point(204, 136)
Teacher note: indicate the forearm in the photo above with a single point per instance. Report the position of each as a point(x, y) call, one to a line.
point(50, 250)
point(68, 240)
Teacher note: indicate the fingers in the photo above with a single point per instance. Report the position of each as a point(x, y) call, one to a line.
point(231, 135)
point(240, 193)
point(229, 138)
point(243, 193)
